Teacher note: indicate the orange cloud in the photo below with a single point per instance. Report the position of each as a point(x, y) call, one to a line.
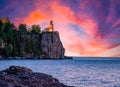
point(34, 17)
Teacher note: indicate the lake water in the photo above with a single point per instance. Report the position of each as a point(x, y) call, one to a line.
point(78, 73)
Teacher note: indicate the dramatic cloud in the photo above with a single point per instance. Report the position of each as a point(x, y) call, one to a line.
point(86, 27)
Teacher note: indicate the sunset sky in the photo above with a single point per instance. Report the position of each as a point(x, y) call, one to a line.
point(86, 27)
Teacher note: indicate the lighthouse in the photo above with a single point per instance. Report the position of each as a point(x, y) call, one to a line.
point(51, 27)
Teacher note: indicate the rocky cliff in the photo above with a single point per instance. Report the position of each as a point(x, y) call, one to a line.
point(51, 45)
point(31, 43)
point(45, 45)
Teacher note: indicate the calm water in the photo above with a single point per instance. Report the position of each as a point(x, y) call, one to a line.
point(78, 73)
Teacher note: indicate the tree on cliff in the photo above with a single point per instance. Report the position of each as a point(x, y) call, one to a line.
point(8, 50)
point(18, 42)
point(36, 29)
point(22, 27)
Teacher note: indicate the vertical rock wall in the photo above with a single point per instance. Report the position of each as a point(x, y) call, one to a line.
point(51, 45)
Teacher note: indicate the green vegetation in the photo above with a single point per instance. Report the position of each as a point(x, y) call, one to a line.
point(19, 42)
point(35, 29)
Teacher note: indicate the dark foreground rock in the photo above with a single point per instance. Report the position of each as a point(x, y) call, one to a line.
point(16, 76)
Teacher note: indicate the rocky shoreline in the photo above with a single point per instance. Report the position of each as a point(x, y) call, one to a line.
point(16, 76)
point(35, 58)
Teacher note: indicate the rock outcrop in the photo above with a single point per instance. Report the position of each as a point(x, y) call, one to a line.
point(16, 76)
point(51, 45)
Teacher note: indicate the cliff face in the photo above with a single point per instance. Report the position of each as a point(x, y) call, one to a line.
point(51, 45)
point(44, 45)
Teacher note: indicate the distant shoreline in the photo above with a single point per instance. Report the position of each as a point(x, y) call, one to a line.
point(35, 58)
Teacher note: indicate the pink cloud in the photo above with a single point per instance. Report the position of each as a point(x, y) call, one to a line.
point(88, 24)
point(116, 23)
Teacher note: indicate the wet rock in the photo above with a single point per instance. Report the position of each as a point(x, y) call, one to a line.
point(16, 76)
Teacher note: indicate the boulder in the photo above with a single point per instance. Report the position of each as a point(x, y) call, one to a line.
point(16, 76)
